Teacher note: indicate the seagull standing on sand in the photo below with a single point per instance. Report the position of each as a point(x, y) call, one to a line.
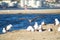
point(56, 21)
point(8, 27)
point(43, 23)
point(4, 30)
point(58, 28)
point(40, 28)
point(35, 26)
point(30, 28)
point(50, 29)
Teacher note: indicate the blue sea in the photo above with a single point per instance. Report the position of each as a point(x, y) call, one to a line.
point(20, 21)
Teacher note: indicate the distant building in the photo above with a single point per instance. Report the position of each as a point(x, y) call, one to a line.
point(51, 0)
point(30, 3)
point(22, 3)
point(58, 1)
point(6, 0)
point(9, 0)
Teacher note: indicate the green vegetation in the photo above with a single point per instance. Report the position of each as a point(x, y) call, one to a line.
point(16, 0)
point(0, 0)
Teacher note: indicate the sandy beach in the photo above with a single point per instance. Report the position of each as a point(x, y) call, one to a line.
point(44, 11)
point(25, 35)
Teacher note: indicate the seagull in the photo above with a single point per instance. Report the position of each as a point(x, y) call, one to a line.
point(9, 27)
point(43, 23)
point(30, 28)
point(30, 20)
point(40, 28)
point(58, 28)
point(25, 19)
point(4, 30)
point(56, 21)
point(35, 26)
point(49, 29)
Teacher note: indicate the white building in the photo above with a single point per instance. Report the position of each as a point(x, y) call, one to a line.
point(31, 3)
point(0, 2)
point(57, 5)
point(22, 3)
point(51, 0)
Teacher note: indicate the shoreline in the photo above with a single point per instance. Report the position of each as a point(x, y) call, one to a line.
point(42, 11)
point(25, 35)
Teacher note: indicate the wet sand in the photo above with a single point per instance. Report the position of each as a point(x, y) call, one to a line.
point(25, 35)
point(44, 11)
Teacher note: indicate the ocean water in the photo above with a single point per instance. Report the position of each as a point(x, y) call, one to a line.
point(14, 8)
point(21, 21)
